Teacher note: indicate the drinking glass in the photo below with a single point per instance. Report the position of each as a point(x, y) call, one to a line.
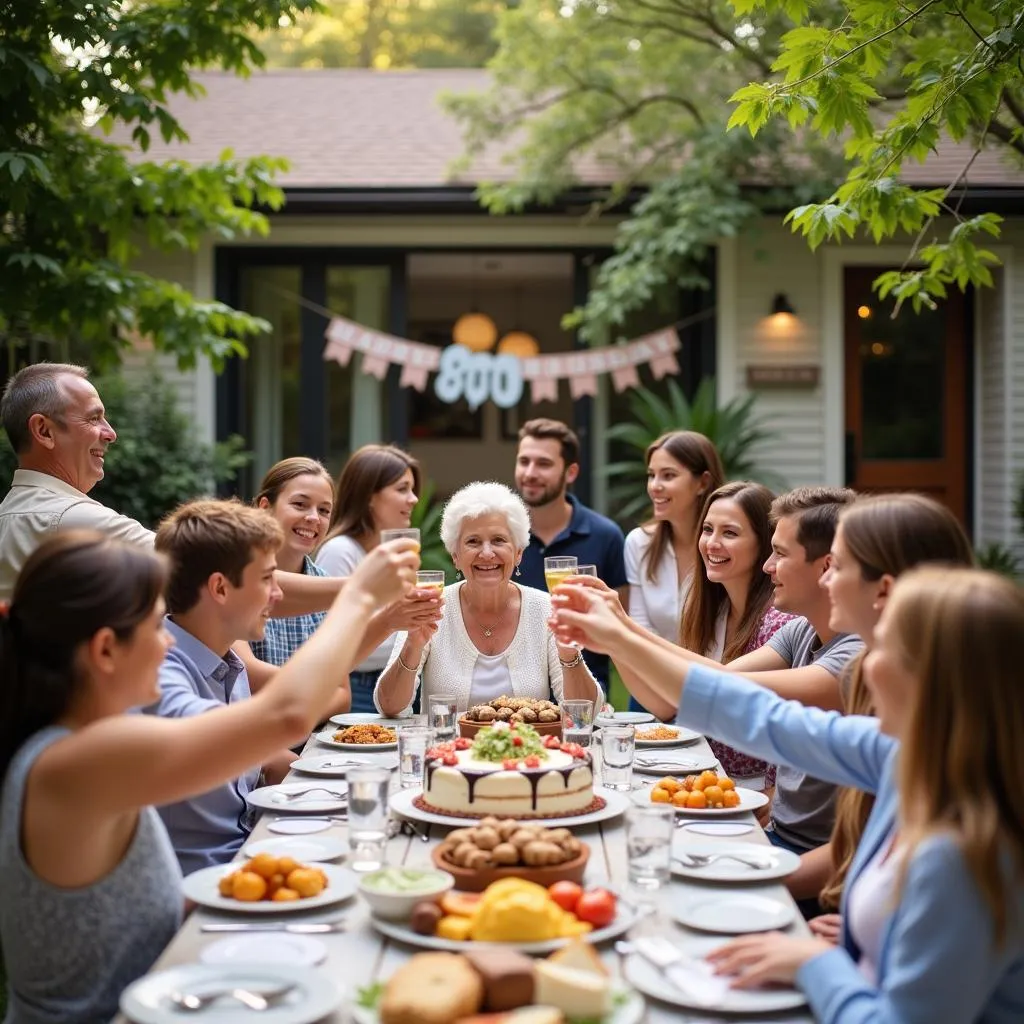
point(367, 816)
point(649, 829)
point(413, 740)
point(577, 721)
point(585, 570)
point(557, 570)
point(412, 533)
point(618, 746)
point(443, 716)
point(430, 579)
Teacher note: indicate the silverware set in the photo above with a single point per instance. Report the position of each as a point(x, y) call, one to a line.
point(703, 860)
point(191, 1002)
point(287, 798)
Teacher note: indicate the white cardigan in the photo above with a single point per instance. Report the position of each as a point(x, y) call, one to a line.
point(448, 659)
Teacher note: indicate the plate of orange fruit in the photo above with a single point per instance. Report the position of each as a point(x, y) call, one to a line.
point(705, 794)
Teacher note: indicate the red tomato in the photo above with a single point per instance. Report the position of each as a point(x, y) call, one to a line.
point(596, 907)
point(566, 895)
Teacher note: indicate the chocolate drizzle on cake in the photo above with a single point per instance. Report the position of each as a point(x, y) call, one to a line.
point(533, 775)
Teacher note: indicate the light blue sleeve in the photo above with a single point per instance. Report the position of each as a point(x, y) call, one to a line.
point(178, 698)
point(939, 961)
point(846, 750)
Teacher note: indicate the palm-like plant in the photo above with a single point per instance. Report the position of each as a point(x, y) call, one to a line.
point(734, 429)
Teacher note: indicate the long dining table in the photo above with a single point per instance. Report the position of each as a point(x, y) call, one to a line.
point(359, 955)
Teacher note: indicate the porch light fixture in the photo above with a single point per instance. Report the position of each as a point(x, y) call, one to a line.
point(518, 343)
point(781, 305)
point(475, 331)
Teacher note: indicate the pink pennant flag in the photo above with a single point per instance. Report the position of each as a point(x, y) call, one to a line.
point(376, 366)
point(662, 365)
point(544, 388)
point(585, 384)
point(339, 352)
point(413, 377)
point(625, 377)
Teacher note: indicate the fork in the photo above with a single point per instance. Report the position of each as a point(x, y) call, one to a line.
point(287, 798)
point(702, 860)
point(259, 1001)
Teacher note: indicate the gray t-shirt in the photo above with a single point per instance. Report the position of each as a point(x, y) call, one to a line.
point(803, 809)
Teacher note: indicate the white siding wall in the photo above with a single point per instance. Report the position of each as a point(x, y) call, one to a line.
point(992, 436)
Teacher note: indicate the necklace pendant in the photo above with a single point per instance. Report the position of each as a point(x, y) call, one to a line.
point(487, 632)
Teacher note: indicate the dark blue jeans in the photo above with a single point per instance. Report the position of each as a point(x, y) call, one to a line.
point(808, 907)
point(362, 684)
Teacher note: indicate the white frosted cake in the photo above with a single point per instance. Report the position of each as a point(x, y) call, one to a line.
point(509, 771)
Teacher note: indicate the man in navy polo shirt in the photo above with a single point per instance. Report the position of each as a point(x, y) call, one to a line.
point(547, 462)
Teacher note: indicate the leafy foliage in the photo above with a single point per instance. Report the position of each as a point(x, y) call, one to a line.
point(157, 461)
point(889, 80)
point(387, 34)
point(640, 86)
point(998, 558)
point(733, 428)
point(75, 209)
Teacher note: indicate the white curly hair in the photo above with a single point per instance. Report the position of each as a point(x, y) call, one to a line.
point(484, 498)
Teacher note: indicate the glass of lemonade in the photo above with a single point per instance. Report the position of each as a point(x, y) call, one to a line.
point(430, 579)
point(411, 532)
point(558, 570)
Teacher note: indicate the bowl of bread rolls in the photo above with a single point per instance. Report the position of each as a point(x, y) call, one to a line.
point(543, 715)
point(506, 848)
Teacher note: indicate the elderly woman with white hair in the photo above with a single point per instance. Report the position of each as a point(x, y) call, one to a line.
point(493, 639)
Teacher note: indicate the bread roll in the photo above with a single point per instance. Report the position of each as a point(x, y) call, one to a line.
point(432, 988)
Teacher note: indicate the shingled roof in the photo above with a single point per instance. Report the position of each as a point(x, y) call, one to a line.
point(355, 128)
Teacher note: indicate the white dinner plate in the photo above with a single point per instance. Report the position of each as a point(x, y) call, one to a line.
point(336, 766)
point(653, 983)
point(783, 862)
point(624, 718)
point(750, 800)
point(716, 828)
point(315, 797)
point(299, 826)
point(359, 718)
point(314, 996)
point(265, 948)
point(400, 931)
point(735, 913)
point(299, 848)
point(615, 804)
point(682, 736)
point(629, 1008)
point(201, 888)
point(326, 738)
point(675, 762)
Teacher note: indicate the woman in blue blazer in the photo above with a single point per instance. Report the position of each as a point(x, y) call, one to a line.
point(945, 759)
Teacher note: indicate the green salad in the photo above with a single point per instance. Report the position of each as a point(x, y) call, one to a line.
point(403, 880)
point(501, 742)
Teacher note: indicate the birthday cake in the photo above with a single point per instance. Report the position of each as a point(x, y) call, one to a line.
point(511, 771)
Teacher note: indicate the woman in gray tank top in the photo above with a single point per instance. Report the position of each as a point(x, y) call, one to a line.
point(89, 885)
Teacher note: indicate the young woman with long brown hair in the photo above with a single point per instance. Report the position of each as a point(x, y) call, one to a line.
point(933, 907)
point(728, 611)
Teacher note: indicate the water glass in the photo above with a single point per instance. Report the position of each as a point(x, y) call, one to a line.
point(443, 716)
point(367, 816)
point(585, 570)
point(411, 532)
point(577, 721)
point(618, 747)
point(413, 740)
point(649, 829)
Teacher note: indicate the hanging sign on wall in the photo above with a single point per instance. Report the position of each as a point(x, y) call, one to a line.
point(481, 376)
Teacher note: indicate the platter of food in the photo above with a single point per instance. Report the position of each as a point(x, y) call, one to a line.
point(512, 912)
point(365, 737)
point(500, 986)
point(706, 795)
point(659, 735)
point(543, 715)
point(266, 884)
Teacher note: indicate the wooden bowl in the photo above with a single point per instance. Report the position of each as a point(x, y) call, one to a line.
point(477, 880)
point(470, 729)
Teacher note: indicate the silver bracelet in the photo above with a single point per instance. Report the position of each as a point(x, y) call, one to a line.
point(575, 661)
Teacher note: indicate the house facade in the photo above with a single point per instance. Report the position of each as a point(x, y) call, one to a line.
point(377, 229)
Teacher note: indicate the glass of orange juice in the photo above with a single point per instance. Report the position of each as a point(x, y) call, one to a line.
point(430, 579)
point(558, 570)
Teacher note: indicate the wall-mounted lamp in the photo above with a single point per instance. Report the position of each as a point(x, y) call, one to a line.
point(780, 304)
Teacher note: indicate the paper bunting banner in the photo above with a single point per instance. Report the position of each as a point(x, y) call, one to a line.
point(580, 368)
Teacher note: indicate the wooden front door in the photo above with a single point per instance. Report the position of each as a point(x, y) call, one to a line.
point(906, 394)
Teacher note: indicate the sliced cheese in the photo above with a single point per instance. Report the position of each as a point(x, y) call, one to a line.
point(576, 993)
point(580, 955)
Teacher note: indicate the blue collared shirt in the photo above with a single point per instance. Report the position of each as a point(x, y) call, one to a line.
point(595, 540)
point(283, 637)
point(209, 828)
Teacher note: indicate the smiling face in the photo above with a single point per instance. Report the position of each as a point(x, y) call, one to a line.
point(78, 443)
point(728, 544)
point(854, 602)
point(135, 662)
point(486, 554)
point(797, 581)
point(541, 475)
point(675, 490)
point(889, 678)
point(391, 507)
point(246, 607)
point(303, 508)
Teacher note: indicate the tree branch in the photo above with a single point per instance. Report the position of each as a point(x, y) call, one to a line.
point(1013, 107)
point(1007, 135)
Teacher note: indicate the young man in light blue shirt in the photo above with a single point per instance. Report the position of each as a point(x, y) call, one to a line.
point(221, 589)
